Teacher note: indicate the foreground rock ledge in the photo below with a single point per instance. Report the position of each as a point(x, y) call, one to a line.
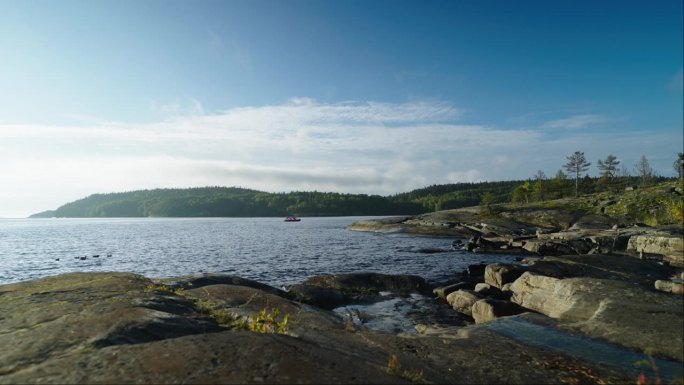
point(125, 328)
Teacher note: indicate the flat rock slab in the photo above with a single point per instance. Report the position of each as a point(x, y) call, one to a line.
point(123, 328)
point(616, 311)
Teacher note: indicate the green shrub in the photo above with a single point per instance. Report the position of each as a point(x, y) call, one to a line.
point(266, 321)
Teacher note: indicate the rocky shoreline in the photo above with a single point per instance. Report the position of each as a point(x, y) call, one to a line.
point(581, 300)
point(125, 328)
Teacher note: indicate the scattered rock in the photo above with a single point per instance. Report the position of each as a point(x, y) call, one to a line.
point(665, 286)
point(123, 328)
point(499, 274)
point(486, 310)
point(677, 288)
point(462, 301)
point(443, 292)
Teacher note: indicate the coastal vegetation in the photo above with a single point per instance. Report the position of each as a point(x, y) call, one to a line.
point(242, 202)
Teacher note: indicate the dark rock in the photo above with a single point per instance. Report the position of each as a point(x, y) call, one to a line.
point(470, 246)
point(444, 291)
point(331, 291)
point(122, 328)
point(431, 250)
point(476, 270)
point(200, 280)
point(322, 297)
point(371, 282)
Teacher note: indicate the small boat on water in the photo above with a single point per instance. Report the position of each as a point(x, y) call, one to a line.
point(292, 219)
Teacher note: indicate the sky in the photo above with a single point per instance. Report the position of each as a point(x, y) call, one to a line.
point(372, 96)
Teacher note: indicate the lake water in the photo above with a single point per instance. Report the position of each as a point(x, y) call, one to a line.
point(264, 249)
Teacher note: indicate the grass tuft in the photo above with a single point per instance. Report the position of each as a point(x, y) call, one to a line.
point(394, 368)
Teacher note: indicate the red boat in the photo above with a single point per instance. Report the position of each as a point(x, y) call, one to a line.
point(292, 219)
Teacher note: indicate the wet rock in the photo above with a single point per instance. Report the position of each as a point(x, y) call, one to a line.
point(499, 274)
point(462, 300)
point(331, 291)
point(476, 270)
point(488, 309)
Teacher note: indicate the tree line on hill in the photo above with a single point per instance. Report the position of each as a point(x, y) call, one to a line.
point(613, 177)
point(240, 202)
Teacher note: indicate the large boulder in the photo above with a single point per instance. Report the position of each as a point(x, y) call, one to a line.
point(443, 291)
point(499, 274)
point(488, 309)
point(616, 311)
point(462, 300)
point(331, 291)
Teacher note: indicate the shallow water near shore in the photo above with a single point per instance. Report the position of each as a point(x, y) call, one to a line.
point(587, 349)
point(268, 250)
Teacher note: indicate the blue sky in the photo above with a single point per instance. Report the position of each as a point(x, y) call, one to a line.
point(350, 96)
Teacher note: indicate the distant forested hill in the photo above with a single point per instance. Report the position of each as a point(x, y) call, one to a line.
point(227, 202)
point(240, 202)
point(456, 195)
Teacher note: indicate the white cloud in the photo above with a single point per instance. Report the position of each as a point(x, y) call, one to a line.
point(575, 122)
point(356, 147)
point(465, 176)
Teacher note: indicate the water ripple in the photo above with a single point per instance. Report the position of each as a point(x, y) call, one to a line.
point(265, 249)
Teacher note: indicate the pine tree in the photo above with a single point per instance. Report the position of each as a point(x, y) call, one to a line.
point(608, 167)
point(609, 170)
point(576, 165)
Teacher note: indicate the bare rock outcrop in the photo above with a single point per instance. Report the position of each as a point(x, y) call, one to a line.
point(669, 246)
point(616, 311)
point(124, 328)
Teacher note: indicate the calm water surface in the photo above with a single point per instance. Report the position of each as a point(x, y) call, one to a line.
point(264, 249)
